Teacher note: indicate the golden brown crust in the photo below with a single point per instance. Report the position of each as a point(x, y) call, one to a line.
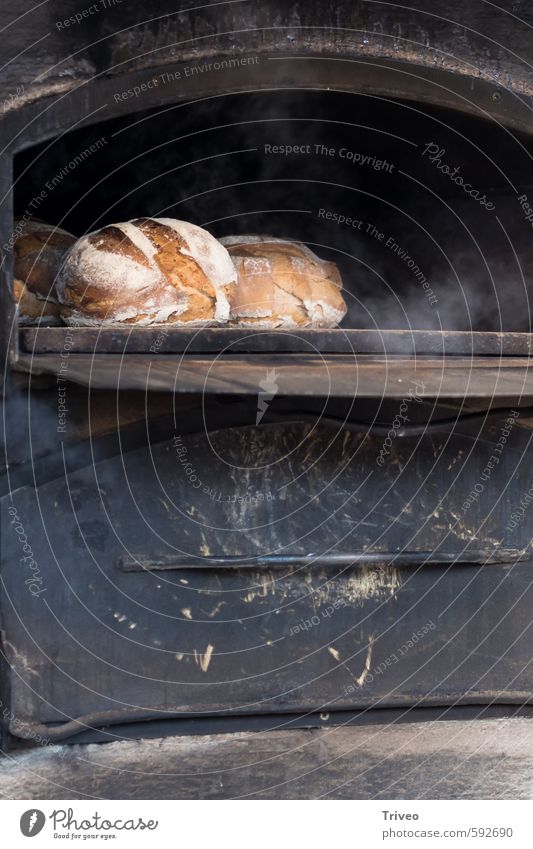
point(283, 284)
point(39, 249)
point(31, 309)
point(147, 271)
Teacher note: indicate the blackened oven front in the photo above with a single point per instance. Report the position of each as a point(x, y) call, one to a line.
point(185, 548)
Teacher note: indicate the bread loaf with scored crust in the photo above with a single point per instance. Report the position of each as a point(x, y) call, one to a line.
point(283, 284)
point(38, 249)
point(145, 272)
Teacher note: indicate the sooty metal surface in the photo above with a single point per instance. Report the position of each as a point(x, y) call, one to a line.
point(84, 636)
point(226, 341)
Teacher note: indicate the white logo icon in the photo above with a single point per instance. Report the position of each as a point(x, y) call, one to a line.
point(269, 391)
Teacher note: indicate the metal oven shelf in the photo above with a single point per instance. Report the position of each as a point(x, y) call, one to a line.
point(345, 363)
point(226, 341)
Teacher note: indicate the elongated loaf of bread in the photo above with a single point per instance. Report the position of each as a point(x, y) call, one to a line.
point(39, 249)
point(283, 284)
point(147, 271)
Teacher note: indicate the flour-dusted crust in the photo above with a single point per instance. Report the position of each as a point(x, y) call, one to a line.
point(283, 284)
point(145, 272)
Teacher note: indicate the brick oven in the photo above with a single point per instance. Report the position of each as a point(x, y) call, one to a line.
point(224, 529)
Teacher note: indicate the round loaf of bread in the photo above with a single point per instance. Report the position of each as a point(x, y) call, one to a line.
point(34, 310)
point(283, 284)
point(39, 249)
point(145, 272)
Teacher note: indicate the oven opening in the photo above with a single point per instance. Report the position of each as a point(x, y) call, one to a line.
point(408, 200)
point(337, 463)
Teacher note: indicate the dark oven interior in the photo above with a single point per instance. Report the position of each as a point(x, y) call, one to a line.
point(303, 551)
point(367, 181)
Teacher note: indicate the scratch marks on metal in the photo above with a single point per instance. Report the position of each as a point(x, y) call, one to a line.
point(368, 662)
point(363, 584)
point(260, 591)
point(203, 660)
point(18, 660)
point(217, 608)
